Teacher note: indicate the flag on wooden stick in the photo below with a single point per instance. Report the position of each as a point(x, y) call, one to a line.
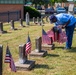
point(28, 45)
point(9, 59)
point(45, 38)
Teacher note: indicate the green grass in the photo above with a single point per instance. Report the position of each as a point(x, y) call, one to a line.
point(56, 62)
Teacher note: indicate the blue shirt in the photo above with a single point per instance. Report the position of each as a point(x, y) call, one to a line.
point(62, 18)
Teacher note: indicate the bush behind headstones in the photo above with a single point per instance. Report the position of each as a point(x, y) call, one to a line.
point(32, 12)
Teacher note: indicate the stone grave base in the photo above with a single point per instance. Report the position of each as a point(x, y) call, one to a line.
point(28, 65)
point(14, 29)
point(42, 53)
point(48, 47)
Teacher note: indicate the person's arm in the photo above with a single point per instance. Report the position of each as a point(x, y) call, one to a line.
point(66, 24)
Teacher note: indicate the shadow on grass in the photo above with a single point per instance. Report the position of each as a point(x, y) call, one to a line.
point(44, 66)
point(59, 47)
point(73, 49)
point(53, 55)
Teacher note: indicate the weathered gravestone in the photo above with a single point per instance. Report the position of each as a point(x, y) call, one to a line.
point(1, 59)
point(27, 18)
point(1, 28)
point(49, 46)
point(41, 22)
point(38, 51)
point(12, 25)
point(47, 18)
point(24, 63)
point(37, 20)
point(21, 23)
point(34, 20)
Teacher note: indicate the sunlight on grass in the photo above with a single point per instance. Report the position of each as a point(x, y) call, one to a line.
point(56, 62)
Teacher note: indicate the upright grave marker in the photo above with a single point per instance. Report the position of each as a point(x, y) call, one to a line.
point(1, 28)
point(24, 63)
point(21, 22)
point(27, 18)
point(38, 51)
point(22, 55)
point(33, 19)
point(41, 22)
point(12, 25)
point(1, 59)
point(37, 20)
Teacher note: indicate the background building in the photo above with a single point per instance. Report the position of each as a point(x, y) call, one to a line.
point(12, 6)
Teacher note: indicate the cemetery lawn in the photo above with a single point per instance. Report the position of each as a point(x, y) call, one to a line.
point(56, 62)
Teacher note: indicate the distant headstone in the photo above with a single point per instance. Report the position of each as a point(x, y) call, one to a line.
point(12, 24)
point(33, 19)
point(41, 22)
point(1, 28)
point(37, 19)
point(21, 22)
point(27, 18)
point(47, 19)
point(1, 59)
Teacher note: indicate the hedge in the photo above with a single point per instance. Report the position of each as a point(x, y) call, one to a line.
point(32, 12)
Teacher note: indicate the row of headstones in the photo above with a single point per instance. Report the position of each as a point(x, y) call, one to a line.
point(23, 62)
point(13, 26)
point(35, 21)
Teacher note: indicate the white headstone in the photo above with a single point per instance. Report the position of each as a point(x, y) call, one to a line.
point(27, 18)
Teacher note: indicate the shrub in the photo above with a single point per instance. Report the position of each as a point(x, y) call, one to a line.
point(32, 12)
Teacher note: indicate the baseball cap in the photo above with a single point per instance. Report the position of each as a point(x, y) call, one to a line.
point(52, 17)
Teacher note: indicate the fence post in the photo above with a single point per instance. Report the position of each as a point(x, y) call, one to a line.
point(17, 15)
point(8, 15)
point(20, 13)
point(1, 59)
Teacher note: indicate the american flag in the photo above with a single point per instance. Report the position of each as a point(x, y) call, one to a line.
point(45, 38)
point(9, 59)
point(62, 37)
point(50, 33)
point(28, 45)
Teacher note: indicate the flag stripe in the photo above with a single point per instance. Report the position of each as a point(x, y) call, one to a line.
point(45, 38)
point(28, 45)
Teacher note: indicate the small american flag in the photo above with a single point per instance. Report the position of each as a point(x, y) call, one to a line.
point(9, 59)
point(45, 38)
point(62, 37)
point(28, 45)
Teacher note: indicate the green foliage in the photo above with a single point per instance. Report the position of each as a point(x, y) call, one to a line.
point(32, 12)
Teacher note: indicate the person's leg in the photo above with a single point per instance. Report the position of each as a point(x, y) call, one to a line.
point(69, 33)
